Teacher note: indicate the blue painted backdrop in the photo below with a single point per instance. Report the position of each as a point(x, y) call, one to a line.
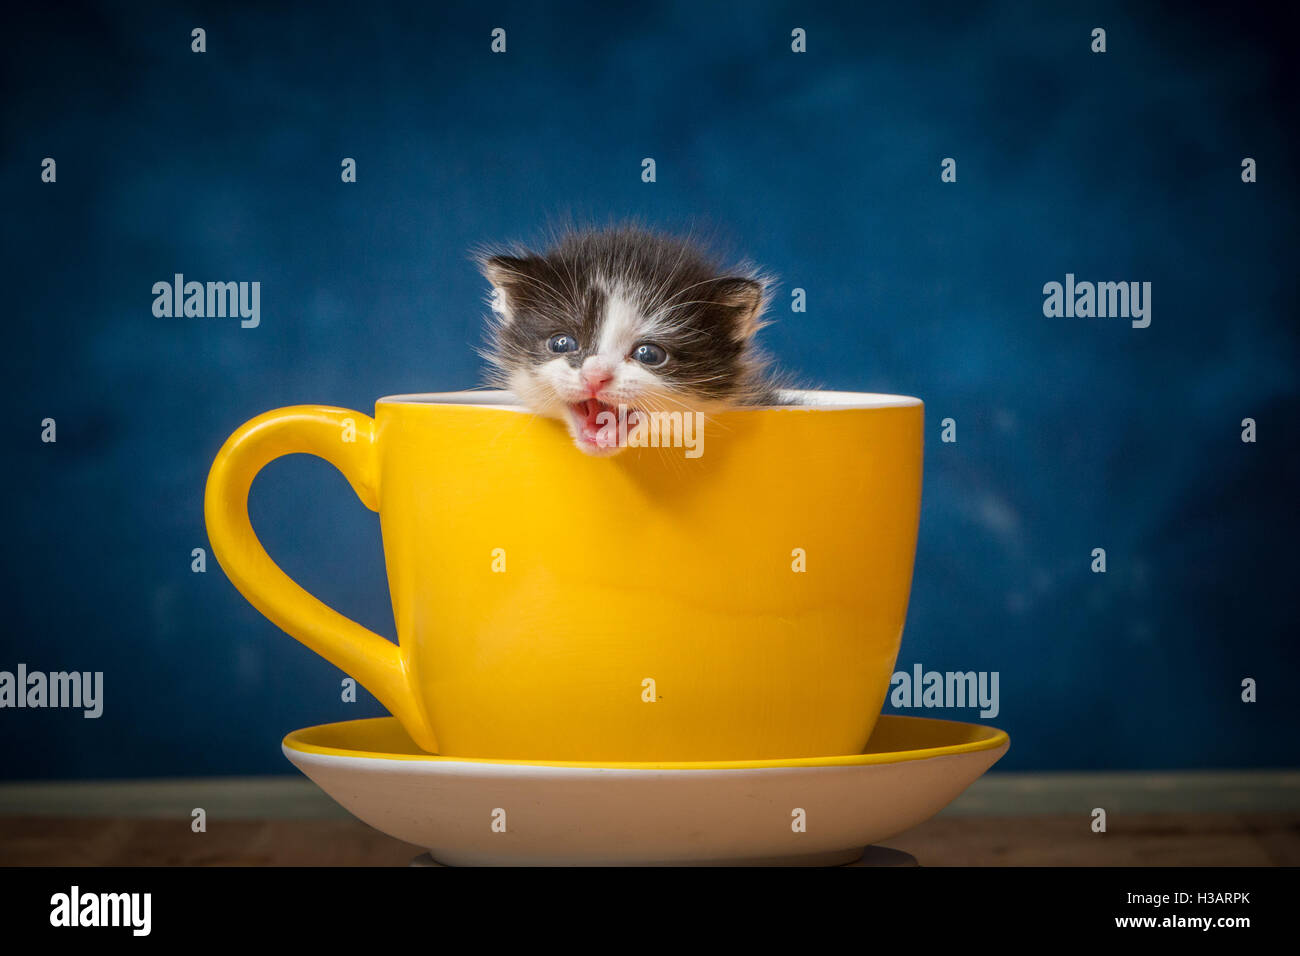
point(824, 167)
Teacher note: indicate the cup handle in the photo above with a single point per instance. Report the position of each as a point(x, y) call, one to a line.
point(347, 440)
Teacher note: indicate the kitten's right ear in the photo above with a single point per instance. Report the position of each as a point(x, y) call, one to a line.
point(507, 274)
point(504, 271)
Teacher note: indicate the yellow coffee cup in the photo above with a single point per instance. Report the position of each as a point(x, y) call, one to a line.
point(742, 598)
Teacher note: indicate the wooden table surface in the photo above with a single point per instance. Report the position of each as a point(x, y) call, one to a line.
point(1178, 839)
point(1210, 819)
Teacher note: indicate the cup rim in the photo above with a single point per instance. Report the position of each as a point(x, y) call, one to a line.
point(805, 400)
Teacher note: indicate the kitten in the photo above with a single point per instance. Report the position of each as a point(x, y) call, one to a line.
point(624, 316)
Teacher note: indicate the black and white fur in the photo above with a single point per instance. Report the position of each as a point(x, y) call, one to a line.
point(616, 301)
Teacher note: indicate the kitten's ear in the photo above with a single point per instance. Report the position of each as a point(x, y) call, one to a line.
point(505, 271)
point(507, 274)
point(745, 298)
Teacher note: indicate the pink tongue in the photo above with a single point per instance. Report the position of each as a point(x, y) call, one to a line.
point(603, 433)
point(591, 410)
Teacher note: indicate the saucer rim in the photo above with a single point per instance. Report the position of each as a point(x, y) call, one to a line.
point(993, 739)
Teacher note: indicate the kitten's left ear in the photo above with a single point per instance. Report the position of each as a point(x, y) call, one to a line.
point(745, 298)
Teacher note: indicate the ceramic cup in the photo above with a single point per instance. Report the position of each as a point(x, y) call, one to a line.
point(740, 599)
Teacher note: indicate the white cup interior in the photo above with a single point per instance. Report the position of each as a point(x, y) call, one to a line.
point(495, 398)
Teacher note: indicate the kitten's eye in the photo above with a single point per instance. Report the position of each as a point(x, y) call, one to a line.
point(562, 343)
point(649, 354)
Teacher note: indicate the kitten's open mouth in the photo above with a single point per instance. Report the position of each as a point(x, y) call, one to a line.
point(598, 423)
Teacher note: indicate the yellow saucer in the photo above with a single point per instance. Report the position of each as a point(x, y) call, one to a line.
point(894, 739)
point(811, 810)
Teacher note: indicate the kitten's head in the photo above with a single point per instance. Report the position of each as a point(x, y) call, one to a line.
point(622, 317)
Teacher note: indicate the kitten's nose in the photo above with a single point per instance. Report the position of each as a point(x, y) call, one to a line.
point(596, 377)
